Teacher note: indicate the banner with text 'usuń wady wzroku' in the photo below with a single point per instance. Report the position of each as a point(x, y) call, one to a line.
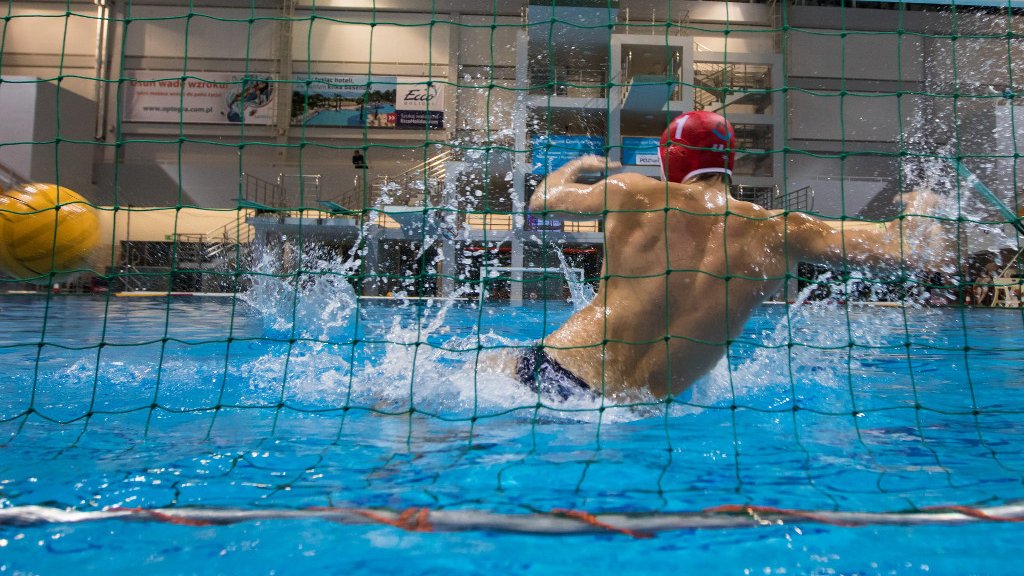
point(205, 98)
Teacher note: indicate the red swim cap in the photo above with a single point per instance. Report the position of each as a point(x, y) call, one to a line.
point(696, 143)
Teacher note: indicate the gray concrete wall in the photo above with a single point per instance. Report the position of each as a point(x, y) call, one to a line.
point(872, 55)
point(48, 133)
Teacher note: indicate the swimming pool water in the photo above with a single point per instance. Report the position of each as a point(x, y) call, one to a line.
point(210, 402)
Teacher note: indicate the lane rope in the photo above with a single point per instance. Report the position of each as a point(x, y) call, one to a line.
point(558, 521)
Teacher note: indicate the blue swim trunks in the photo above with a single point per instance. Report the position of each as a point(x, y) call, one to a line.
point(541, 373)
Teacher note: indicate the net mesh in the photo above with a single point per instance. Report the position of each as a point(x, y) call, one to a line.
point(456, 118)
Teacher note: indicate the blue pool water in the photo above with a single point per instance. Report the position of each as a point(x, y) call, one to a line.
point(210, 403)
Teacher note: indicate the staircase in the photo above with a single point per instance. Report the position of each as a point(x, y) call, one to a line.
point(648, 92)
point(224, 243)
point(188, 262)
point(719, 85)
point(421, 183)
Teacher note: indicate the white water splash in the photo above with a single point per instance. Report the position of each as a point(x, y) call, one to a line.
point(412, 360)
point(315, 302)
point(580, 293)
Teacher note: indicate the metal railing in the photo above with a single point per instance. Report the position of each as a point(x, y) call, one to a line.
point(773, 198)
point(714, 81)
point(305, 186)
point(421, 183)
point(263, 195)
point(626, 24)
point(799, 200)
point(775, 11)
point(204, 261)
point(753, 137)
point(290, 192)
point(569, 82)
point(672, 81)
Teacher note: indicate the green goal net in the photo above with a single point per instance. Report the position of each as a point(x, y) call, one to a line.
point(306, 236)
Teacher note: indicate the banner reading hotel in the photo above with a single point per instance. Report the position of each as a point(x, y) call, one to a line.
point(356, 101)
point(351, 101)
point(205, 98)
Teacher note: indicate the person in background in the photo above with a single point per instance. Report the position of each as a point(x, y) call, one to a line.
point(358, 160)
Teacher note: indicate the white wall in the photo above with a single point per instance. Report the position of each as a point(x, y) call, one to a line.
point(217, 38)
point(736, 42)
point(151, 175)
point(871, 66)
point(479, 45)
point(836, 197)
point(347, 41)
point(930, 124)
point(44, 41)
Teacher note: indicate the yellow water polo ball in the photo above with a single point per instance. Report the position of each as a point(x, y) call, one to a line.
point(46, 232)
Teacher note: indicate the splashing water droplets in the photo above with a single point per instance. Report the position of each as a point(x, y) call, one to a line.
point(580, 292)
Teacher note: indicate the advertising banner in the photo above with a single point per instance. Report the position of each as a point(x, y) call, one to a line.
point(638, 151)
point(419, 103)
point(552, 152)
point(358, 101)
point(210, 98)
point(538, 222)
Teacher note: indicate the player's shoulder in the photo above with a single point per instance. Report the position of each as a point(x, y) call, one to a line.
point(634, 180)
point(640, 185)
point(757, 212)
point(632, 190)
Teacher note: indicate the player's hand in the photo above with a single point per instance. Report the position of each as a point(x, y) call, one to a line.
point(921, 202)
point(929, 239)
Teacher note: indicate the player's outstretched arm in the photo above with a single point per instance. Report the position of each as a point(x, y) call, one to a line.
point(559, 192)
point(917, 239)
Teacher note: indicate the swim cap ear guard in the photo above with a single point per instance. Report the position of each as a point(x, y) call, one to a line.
point(696, 143)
